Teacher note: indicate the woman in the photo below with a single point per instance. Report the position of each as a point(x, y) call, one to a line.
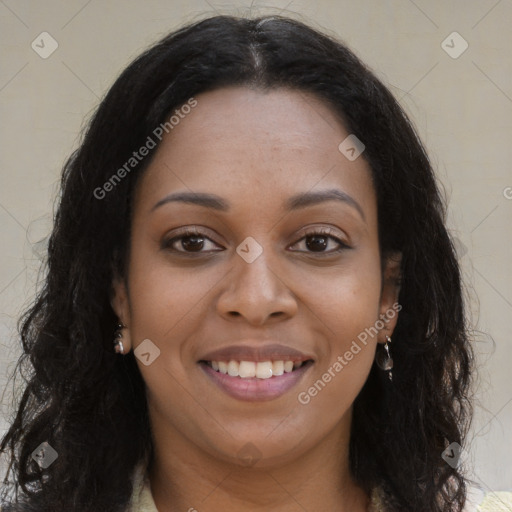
point(252, 301)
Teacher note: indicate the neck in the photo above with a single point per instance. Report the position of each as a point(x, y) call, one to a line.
point(191, 480)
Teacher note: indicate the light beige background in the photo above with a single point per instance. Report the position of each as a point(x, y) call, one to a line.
point(461, 106)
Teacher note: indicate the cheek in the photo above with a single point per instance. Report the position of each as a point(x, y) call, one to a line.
point(345, 299)
point(346, 356)
point(345, 304)
point(166, 299)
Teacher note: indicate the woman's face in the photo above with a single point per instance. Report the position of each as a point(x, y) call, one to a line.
point(282, 267)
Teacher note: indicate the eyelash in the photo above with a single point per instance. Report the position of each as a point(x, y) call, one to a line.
point(191, 232)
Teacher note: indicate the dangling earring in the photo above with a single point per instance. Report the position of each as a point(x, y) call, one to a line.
point(118, 337)
point(384, 360)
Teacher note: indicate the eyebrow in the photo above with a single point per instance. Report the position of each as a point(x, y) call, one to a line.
point(295, 202)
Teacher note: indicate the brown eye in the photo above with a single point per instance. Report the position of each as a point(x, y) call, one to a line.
point(192, 243)
point(189, 241)
point(317, 243)
point(322, 242)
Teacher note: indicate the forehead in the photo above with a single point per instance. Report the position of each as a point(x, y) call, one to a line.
point(252, 144)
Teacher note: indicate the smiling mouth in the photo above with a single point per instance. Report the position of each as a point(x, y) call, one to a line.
point(256, 369)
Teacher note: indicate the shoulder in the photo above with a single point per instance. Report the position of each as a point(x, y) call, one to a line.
point(142, 498)
point(499, 501)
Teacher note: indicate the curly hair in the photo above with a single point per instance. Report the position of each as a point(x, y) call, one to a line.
point(90, 404)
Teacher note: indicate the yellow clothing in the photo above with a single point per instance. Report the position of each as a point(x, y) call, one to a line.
point(142, 499)
point(496, 502)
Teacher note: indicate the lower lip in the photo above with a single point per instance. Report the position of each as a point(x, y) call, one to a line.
point(253, 389)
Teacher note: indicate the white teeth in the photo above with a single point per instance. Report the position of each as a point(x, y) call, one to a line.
point(251, 369)
point(233, 368)
point(278, 367)
point(247, 369)
point(264, 370)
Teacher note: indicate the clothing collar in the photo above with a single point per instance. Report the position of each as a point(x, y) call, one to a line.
point(142, 497)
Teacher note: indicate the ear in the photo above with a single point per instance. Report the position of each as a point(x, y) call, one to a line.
point(121, 306)
point(389, 306)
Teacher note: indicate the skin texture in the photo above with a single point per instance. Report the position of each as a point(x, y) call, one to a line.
point(254, 149)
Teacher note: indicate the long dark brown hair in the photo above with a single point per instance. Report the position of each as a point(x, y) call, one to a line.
point(90, 404)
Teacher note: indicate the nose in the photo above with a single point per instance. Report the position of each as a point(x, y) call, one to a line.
point(256, 292)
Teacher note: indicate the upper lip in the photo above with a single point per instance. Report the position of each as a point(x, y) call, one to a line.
point(269, 352)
